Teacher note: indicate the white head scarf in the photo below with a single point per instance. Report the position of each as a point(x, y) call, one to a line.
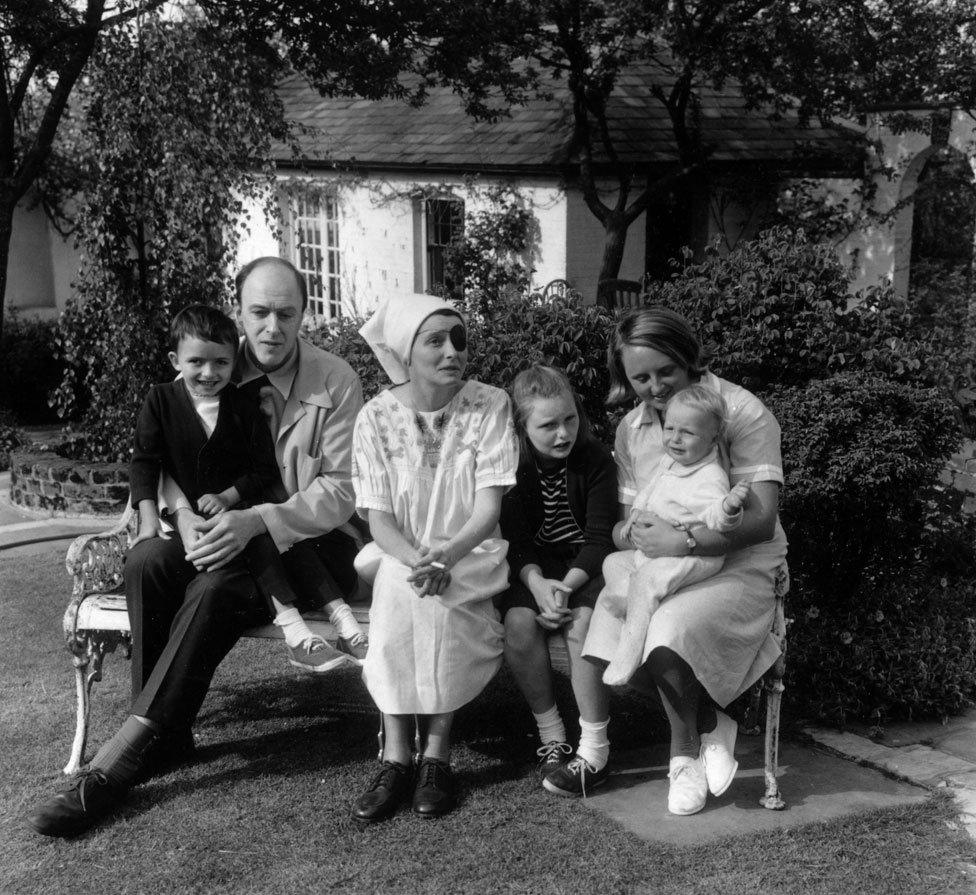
point(391, 330)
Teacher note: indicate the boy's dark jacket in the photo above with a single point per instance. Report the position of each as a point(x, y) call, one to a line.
point(591, 486)
point(170, 436)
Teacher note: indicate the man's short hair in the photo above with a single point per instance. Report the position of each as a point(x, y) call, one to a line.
point(203, 322)
point(264, 261)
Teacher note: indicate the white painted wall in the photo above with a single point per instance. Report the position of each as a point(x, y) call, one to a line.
point(30, 274)
point(378, 238)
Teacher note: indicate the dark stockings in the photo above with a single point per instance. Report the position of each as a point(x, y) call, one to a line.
point(689, 709)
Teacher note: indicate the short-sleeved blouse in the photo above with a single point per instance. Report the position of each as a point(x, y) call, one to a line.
point(721, 626)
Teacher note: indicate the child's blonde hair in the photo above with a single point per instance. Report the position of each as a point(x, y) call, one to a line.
point(705, 399)
point(542, 382)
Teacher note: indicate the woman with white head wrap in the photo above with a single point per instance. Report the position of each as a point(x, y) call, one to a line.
point(433, 455)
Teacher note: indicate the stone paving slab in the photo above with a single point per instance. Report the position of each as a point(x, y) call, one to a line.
point(922, 765)
point(816, 786)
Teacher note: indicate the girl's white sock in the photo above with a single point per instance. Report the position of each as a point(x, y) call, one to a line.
point(293, 626)
point(551, 727)
point(594, 745)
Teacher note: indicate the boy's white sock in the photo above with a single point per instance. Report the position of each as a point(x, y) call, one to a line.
point(551, 727)
point(594, 745)
point(341, 617)
point(293, 626)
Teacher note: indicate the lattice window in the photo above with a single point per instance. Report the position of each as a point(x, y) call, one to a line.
point(315, 252)
point(443, 225)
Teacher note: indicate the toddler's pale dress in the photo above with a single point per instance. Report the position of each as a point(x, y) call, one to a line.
point(433, 654)
point(720, 626)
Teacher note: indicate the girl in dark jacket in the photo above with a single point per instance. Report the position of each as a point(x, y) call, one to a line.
point(558, 521)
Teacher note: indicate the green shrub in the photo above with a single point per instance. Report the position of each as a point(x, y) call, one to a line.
point(29, 369)
point(905, 648)
point(777, 311)
point(862, 456)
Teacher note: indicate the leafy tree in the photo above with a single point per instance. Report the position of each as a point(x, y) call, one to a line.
point(46, 45)
point(816, 59)
point(180, 119)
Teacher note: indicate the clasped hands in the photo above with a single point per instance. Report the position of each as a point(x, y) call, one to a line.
point(212, 543)
point(430, 571)
point(551, 596)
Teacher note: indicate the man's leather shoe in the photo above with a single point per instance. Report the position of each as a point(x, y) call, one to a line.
point(385, 793)
point(435, 793)
point(90, 798)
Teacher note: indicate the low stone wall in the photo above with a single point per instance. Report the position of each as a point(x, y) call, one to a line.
point(45, 481)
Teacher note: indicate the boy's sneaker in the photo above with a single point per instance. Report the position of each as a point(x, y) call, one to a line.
point(688, 789)
point(551, 756)
point(354, 646)
point(575, 778)
point(317, 656)
point(717, 754)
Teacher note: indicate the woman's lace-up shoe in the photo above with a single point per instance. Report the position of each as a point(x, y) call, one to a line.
point(717, 754)
point(435, 793)
point(385, 793)
point(575, 778)
point(688, 789)
point(552, 755)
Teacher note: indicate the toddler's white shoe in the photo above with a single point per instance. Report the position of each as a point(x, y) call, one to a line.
point(688, 789)
point(717, 754)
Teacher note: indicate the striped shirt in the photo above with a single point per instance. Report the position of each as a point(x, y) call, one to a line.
point(558, 524)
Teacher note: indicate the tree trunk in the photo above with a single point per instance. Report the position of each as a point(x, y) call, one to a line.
point(615, 228)
point(7, 205)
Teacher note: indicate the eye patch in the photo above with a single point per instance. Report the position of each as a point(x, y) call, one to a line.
point(458, 337)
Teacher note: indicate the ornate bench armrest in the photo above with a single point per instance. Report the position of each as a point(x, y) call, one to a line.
point(95, 564)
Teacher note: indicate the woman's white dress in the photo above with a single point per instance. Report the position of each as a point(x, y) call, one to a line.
point(721, 626)
point(433, 654)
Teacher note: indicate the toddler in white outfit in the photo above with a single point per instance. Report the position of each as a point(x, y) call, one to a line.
point(689, 490)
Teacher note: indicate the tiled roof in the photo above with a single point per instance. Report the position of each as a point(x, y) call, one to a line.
point(537, 136)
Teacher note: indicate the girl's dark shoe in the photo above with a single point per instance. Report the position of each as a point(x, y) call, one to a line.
point(552, 755)
point(385, 793)
point(435, 793)
point(90, 798)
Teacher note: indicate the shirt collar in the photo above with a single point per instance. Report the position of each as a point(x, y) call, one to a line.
point(282, 379)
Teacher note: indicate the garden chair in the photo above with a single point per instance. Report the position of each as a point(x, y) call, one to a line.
point(556, 289)
point(620, 295)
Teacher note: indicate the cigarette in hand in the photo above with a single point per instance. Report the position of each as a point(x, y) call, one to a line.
point(438, 565)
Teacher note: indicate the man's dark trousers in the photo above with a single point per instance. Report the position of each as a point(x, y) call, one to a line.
point(185, 622)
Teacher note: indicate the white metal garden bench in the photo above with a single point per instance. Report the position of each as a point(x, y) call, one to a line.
point(96, 623)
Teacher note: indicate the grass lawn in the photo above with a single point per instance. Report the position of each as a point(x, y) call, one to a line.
point(282, 755)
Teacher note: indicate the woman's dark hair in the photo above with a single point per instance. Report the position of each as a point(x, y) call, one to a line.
point(652, 327)
point(542, 382)
point(203, 322)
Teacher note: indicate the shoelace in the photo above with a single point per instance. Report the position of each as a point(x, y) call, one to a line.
point(582, 767)
point(552, 750)
point(386, 777)
point(428, 774)
point(312, 643)
point(79, 780)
